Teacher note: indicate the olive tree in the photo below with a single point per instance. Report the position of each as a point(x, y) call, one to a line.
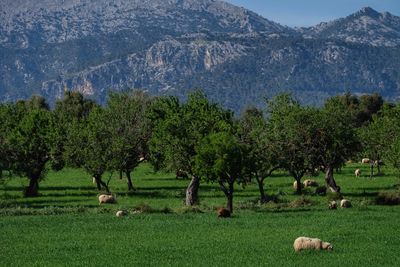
point(261, 160)
point(220, 159)
point(30, 147)
point(178, 130)
point(130, 131)
point(336, 139)
point(293, 131)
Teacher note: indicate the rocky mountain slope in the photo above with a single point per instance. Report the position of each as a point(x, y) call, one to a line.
point(173, 46)
point(366, 26)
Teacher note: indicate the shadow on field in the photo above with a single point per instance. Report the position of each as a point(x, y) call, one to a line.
point(67, 194)
point(362, 194)
point(164, 179)
point(376, 188)
point(52, 201)
point(150, 188)
point(55, 188)
point(50, 188)
point(139, 192)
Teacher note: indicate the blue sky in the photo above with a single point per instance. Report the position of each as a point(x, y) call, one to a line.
point(311, 12)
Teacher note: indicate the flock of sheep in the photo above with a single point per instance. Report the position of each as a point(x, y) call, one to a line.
point(301, 243)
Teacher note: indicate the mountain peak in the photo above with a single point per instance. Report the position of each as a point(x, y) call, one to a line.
point(368, 11)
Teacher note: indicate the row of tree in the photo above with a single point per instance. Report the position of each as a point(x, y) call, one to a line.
point(196, 137)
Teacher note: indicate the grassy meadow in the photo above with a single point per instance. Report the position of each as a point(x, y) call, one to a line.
point(66, 226)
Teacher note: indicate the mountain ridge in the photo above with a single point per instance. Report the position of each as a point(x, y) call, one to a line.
point(169, 47)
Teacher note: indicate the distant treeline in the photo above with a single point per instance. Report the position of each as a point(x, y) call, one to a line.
point(196, 139)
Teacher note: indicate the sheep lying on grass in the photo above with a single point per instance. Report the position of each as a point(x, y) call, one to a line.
point(302, 243)
point(332, 205)
point(310, 183)
point(121, 213)
point(344, 203)
point(107, 199)
point(223, 213)
point(365, 160)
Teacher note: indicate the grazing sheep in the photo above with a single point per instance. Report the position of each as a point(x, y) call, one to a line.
point(295, 185)
point(310, 183)
point(358, 173)
point(223, 213)
point(344, 203)
point(332, 205)
point(310, 243)
point(121, 213)
point(365, 160)
point(107, 199)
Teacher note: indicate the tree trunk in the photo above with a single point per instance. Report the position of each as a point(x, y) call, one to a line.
point(100, 184)
point(378, 166)
point(130, 184)
point(372, 169)
point(330, 181)
point(33, 188)
point(263, 197)
point(97, 183)
point(298, 186)
point(192, 191)
point(229, 204)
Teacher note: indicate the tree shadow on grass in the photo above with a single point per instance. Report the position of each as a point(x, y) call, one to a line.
point(67, 194)
point(361, 194)
point(50, 188)
point(33, 201)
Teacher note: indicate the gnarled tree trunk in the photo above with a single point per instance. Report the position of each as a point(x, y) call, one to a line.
point(100, 184)
point(229, 195)
point(263, 197)
point(129, 180)
point(330, 181)
point(372, 168)
point(192, 191)
point(32, 189)
point(298, 186)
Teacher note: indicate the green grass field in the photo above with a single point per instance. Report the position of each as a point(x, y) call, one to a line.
point(66, 226)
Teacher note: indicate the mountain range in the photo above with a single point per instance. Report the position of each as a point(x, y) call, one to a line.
point(173, 46)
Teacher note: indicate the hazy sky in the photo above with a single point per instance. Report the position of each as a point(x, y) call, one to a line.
point(311, 12)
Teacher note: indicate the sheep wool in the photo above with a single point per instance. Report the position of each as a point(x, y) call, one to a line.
point(310, 183)
point(106, 199)
point(344, 203)
point(357, 173)
point(332, 205)
point(302, 243)
point(120, 213)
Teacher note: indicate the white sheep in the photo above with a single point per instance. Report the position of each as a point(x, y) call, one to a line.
point(310, 243)
point(106, 199)
point(365, 160)
point(332, 205)
point(121, 213)
point(309, 183)
point(345, 203)
point(358, 173)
